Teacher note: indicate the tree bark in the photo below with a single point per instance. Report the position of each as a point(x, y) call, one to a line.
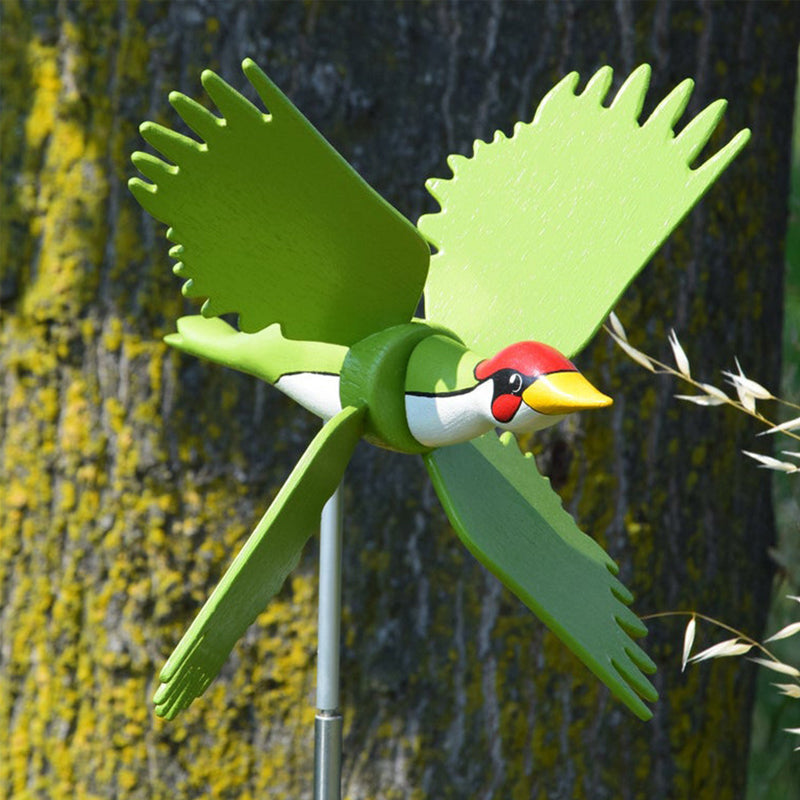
point(131, 474)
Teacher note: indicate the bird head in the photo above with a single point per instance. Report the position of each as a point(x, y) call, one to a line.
point(533, 386)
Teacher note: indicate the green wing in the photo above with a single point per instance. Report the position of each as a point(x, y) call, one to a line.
point(539, 234)
point(258, 572)
point(273, 224)
point(512, 521)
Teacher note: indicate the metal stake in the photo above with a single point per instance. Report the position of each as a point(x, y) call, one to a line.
point(328, 723)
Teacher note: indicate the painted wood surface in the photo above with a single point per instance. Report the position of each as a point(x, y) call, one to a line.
point(566, 211)
point(533, 386)
point(272, 224)
point(262, 565)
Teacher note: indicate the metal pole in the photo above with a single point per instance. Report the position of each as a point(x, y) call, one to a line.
point(328, 723)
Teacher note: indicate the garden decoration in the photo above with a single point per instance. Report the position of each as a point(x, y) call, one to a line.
point(538, 235)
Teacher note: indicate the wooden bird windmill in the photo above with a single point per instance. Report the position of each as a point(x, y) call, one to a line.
point(537, 237)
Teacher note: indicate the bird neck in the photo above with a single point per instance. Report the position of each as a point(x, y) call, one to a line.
point(374, 376)
point(441, 365)
point(445, 403)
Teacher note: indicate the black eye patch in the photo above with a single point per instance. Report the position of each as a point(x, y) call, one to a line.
point(509, 381)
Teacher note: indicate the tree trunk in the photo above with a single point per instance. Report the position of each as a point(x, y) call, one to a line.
point(131, 474)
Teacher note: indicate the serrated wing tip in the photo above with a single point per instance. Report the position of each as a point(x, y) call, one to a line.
point(213, 308)
point(197, 117)
point(508, 438)
point(642, 660)
point(208, 75)
point(669, 110)
point(640, 689)
point(455, 160)
point(694, 137)
point(634, 677)
point(653, 185)
point(177, 698)
point(621, 592)
point(598, 85)
point(744, 135)
point(629, 100)
point(233, 105)
point(174, 146)
point(564, 88)
point(629, 622)
point(152, 167)
point(568, 83)
point(139, 187)
point(160, 695)
point(253, 72)
point(174, 340)
point(709, 171)
point(271, 96)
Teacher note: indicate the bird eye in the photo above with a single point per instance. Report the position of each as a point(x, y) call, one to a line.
point(515, 383)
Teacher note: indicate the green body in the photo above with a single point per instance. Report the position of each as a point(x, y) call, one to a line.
point(441, 364)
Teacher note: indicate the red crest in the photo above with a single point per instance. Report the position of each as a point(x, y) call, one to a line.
point(528, 358)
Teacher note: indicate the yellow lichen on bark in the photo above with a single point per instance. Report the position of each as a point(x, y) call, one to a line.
point(130, 475)
point(66, 204)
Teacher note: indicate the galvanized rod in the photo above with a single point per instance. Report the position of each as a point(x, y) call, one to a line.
point(328, 724)
point(328, 757)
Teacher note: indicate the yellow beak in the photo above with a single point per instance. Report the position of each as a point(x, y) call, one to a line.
point(562, 393)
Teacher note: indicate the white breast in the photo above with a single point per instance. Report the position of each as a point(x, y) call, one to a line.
point(439, 420)
point(316, 391)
